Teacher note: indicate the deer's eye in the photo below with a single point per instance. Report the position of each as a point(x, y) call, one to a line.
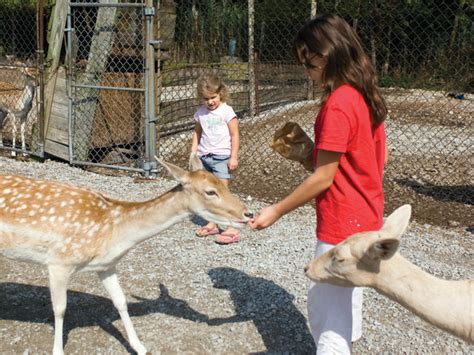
point(335, 258)
point(211, 193)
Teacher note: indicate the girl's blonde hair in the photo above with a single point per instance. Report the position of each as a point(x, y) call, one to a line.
point(331, 37)
point(212, 84)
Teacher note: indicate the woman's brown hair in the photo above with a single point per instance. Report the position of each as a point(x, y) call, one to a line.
point(331, 37)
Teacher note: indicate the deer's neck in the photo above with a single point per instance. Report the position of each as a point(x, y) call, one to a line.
point(141, 220)
point(446, 304)
point(26, 100)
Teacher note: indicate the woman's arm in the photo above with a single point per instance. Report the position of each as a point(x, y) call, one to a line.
point(234, 143)
point(312, 186)
point(196, 137)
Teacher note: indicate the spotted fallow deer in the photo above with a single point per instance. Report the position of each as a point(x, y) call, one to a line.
point(71, 229)
point(371, 259)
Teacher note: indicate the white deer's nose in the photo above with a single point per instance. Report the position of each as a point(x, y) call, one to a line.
point(248, 214)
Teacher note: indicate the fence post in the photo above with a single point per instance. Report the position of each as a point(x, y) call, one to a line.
point(158, 79)
point(251, 70)
point(311, 88)
point(150, 164)
point(41, 73)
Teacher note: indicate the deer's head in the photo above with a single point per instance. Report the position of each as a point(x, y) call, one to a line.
point(356, 261)
point(207, 196)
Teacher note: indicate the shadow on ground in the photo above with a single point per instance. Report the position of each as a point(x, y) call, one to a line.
point(462, 194)
point(269, 306)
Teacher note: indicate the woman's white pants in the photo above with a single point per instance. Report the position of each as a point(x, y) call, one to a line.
point(335, 313)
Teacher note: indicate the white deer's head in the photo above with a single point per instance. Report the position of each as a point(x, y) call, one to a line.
point(356, 261)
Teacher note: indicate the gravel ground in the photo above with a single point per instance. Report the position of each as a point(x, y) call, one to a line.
point(190, 295)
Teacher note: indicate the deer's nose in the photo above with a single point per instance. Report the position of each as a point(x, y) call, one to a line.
point(248, 214)
point(306, 269)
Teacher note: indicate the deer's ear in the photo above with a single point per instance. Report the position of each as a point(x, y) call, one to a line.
point(194, 162)
point(396, 224)
point(383, 249)
point(388, 238)
point(175, 171)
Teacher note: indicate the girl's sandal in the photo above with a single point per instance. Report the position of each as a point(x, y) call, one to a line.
point(228, 238)
point(206, 231)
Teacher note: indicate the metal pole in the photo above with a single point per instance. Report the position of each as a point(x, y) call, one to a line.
point(159, 79)
point(69, 59)
point(252, 81)
point(150, 164)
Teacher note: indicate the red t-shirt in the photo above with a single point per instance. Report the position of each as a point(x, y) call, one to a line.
point(355, 201)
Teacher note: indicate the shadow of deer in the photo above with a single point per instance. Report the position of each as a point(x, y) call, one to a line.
point(32, 304)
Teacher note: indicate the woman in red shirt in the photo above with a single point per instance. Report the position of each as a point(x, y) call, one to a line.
point(348, 158)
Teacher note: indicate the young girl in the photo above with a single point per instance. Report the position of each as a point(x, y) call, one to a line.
point(216, 141)
point(348, 159)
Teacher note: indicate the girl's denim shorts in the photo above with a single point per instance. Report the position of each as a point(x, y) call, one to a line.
point(217, 164)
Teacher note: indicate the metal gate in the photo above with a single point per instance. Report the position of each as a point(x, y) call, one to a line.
point(110, 83)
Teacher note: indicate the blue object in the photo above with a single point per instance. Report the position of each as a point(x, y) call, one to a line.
point(232, 47)
point(454, 95)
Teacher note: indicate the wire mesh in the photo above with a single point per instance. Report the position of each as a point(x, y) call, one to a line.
point(107, 55)
point(422, 52)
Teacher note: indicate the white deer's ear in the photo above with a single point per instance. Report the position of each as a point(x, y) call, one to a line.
point(194, 162)
point(383, 249)
point(396, 224)
point(175, 171)
point(388, 238)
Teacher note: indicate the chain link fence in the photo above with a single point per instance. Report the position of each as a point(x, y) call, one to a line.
point(422, 52)
point(423, 56)
point(107, 82)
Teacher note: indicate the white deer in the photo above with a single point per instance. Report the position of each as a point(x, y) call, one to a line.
point(371, 259)
point(71, 229)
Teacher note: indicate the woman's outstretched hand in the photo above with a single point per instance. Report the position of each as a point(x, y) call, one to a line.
point(265, 218)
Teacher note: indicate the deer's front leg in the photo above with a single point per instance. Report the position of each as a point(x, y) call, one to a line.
point(110, 281)
point(13, 153)
point(22, 133)
point(58, 280)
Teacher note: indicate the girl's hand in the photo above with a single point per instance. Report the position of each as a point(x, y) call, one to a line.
point(233, 163)
point(265, 218)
